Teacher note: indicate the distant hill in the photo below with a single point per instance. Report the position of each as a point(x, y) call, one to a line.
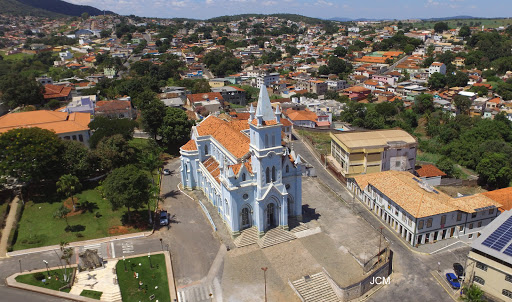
point(15, 7)
point(62, 7)
point(452, 18)
point(291, 17)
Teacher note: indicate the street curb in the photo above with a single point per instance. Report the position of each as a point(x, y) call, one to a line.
point(443, 286)
point(79, 243)
point(11, 280)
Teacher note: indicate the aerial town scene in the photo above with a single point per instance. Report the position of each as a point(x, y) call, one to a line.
point(243, 150)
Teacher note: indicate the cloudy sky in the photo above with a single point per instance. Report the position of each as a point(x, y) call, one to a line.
point(394, 9)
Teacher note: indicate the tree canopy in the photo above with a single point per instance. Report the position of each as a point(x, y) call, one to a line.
point(104, 127)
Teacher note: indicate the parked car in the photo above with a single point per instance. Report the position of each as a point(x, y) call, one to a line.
point(167, 172)
point(164, 218)
point(458, 269)
point(453, 280)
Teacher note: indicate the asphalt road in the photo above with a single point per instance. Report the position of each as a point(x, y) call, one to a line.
point(411, 271)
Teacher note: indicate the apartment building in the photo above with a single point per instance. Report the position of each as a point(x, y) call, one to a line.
point(420, 213)
point(489, 263)
point(364, 152)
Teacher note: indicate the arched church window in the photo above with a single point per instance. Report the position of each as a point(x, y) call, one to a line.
point(205, 149)
point(266, 141)
point(267, 174)
point(287, 168)
point(273, 140)
point(243, 176)
point(273, 174)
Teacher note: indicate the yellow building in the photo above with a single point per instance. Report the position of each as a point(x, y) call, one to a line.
point(489, 263)
point(365, 152)
point(217, 82)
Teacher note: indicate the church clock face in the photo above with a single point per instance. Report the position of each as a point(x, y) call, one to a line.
point(270, 155)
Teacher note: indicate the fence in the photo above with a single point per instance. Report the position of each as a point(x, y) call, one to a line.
point(208, 215)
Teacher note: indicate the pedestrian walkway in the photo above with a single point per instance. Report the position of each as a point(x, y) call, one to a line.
point(196, 293)
point(101, 279)
point(9, 223)
point(315, 288)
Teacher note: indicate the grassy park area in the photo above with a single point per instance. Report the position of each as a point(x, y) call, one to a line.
point(91, 294)
point(151, 284)
point(40, 279)
point(93, 218)
point(321, 140)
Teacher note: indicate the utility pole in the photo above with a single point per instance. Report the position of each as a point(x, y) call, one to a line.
point(380, 241)
point(161, 243)
point(265, 278)
point(20, 265)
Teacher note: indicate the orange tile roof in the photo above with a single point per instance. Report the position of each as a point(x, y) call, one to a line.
point(265, 123)
point(60, 122)
point(402, 189)
point(503, 196)
point(224, 132)
point(429, 171)
point(56, 91)
point(301, 115)
point(189, 146)
point(112, 106)
point(236, 168)
point(213, 168)
point(200, 97)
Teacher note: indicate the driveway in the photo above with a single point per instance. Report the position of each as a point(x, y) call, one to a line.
point(193, 245)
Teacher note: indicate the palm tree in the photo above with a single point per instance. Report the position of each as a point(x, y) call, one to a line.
point(69, 185)
point(473, 293)
point(62, 212)
point(151, 161)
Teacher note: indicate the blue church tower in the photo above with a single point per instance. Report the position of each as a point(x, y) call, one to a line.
point(245, 169)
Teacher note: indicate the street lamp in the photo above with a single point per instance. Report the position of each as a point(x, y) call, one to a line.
point(47, 269)
point(265, 278)
point(20, 265)
point(124, 261)
point(149, 257)
point(167, 246)
point(162, 243)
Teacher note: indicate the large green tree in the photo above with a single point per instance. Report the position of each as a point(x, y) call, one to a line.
point(439, 27)
point(18, 90)
point(76, 159)
point(423, 103)
point(113, 152)
point(30, 154)
point(473, 293)
point(128, 187)
point(494, 170)
point(153, 112)
point(436, 81)
point(462, 103)
point(104, 127)
point(175, 129)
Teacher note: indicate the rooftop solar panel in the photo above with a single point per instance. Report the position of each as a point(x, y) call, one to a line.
point(500, 237)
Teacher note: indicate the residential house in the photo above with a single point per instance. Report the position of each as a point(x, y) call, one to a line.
point(308, 119)
point(211, 101)
point(356, 93)
point(364, 152)
point(232, 94)
point(267, 79)
point(313, 86)
point(115, 109)
point(430, 174)
point(69, 126)
point(84, 104)
point(437, 67)
point(336, 85)
point(419, 213)
point(502, 196)
point(57, 92)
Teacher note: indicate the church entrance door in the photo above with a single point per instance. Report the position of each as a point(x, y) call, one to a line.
point(270, 215)
point(246, 222)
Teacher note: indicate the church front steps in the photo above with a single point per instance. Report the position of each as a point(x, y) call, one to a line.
point(247, 237)
point(316, 288)
point(301, 227)
point(275, 236)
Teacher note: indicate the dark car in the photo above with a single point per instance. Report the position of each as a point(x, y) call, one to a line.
point(452, 279)
point(164, 218)
point(166, 172)
point(458, 269)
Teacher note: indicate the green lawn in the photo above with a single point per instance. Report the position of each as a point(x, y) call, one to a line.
point(139, 143)
point(55, 282)
point(91, 294)
point(150, 278)
point(38, 227)
point(15, 57)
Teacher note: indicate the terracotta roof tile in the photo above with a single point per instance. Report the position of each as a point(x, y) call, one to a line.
point(232, 139)
point(189, 146)
point(56, 91)
point(503, 196)
point(60, 122)
point(429, 171)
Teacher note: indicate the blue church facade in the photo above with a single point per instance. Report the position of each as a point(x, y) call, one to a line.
point(245, 170)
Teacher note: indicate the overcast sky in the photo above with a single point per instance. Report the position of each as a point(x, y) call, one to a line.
point(387, 9)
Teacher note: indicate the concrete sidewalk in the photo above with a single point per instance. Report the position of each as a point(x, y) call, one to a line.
point(79, 243)
point(9, 223)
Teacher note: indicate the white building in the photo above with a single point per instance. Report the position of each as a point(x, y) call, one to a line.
point(420, 213)
point(437, 67)
point(267, 80)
